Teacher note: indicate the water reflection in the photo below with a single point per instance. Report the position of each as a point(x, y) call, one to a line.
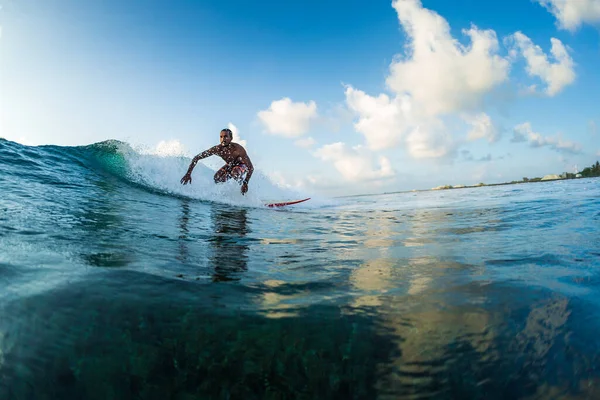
point(373, 280)
point(101, 227)
point(457, 349)
point(381, 231)
point(458, 336)
point(184, 219)
point(228, 244)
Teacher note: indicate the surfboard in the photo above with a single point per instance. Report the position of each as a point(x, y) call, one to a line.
point(286, 203)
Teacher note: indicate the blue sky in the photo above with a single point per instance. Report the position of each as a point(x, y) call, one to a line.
point(331, 97)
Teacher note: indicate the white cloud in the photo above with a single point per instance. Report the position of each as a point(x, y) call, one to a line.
point(430, 140)
point(278, 178)
point(305, 143)
point(482, 127)
point(437, 77)
point(555, 75)
point(572, 13)
point(381, 120)
point(309, 183)
point(439, 73)
point(387, 123)
point(356, 163)
point(288, 119)
point(524, 133)
point(236, 135)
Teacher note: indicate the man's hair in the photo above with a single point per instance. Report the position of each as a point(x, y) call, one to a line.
point(228, 132)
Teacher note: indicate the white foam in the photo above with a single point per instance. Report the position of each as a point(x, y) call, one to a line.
point(162, 169)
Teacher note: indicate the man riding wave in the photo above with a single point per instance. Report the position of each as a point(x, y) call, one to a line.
point(237, 163)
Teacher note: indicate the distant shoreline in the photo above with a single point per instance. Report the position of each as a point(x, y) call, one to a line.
point(450, 187)
point(536, 180)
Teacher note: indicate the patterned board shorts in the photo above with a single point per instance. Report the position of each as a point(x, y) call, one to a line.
point(238, 171)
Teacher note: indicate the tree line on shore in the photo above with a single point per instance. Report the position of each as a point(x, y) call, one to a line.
point(594, 170)
point(588, 172)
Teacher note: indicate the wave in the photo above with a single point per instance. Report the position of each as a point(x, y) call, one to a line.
point(158, 172)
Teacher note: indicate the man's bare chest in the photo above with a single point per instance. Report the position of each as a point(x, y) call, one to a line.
point(230, 154)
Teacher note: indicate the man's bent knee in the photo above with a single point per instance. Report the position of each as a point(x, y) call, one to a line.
point(220, 177)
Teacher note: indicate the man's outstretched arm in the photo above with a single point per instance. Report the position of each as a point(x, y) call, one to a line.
point(248, 173)
point(187, 178)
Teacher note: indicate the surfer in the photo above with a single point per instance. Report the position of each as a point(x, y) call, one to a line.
point(238, 165)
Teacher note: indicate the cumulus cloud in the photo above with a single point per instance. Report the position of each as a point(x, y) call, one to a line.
point(555, 75)
point(287, 118)
point(482, 127)
point(388, 122)
point(309, 183)
point(278, 178)
point(236, 135)
point(430, 140)
point(570, 14)
point(439, 73)
point(381, 120)
point(355, 163)
point(524, 133)
point(437, 76)
point(305, 143)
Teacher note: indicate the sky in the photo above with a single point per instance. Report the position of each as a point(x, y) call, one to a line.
point(330, 97)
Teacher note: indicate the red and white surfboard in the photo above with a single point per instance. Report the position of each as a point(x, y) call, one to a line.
point(286, 203)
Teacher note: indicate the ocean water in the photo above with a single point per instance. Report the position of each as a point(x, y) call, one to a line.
point(120, 283)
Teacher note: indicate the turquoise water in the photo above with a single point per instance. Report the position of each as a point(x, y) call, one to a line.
point(118, 282)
